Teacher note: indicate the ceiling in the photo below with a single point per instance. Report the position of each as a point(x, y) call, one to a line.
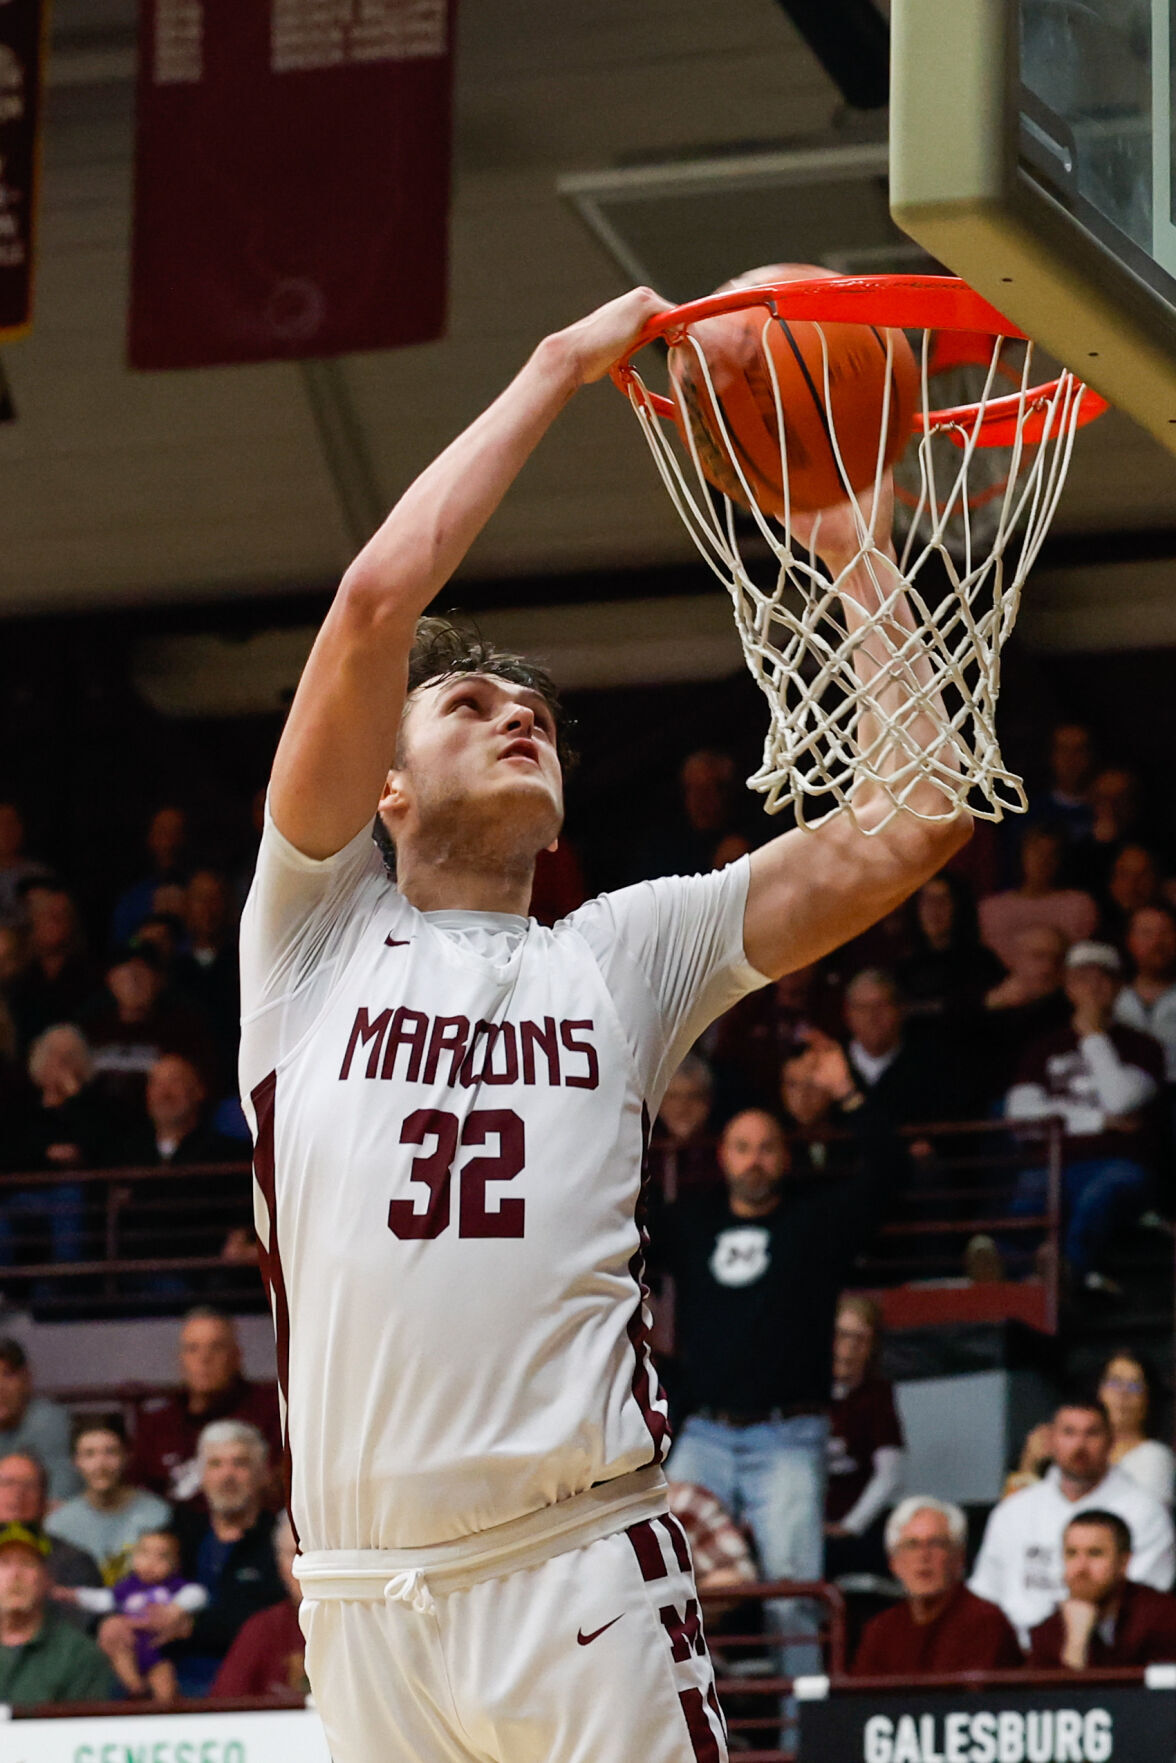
point(124, 488)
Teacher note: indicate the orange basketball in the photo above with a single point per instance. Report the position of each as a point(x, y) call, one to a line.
point(735, 352)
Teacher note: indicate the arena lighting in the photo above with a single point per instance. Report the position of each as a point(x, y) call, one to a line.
point(851, 40)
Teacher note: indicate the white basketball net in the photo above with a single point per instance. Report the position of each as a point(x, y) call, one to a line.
point(852, 703)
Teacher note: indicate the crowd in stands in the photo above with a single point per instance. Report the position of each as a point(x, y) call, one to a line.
point(1033, 980)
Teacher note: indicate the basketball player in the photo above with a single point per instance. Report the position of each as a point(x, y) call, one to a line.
point(449, 1104)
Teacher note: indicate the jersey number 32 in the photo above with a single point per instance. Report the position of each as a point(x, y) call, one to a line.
point(435, 1172)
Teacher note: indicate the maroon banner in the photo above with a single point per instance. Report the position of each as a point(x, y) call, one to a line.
point(291, 178)
point(21, 56)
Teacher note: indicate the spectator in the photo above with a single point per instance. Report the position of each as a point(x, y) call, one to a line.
point(708, 816)
point(948, 970)
point(1124, 1389)
point(167, 837)
point(866, 1447)
point(1149, 1002)
point(1115, 811)
point(682, 1150)
point(900, 1083)
point(1105, 1619)
point(1066, 803)
point(43, 1658)
point(757, 1271)
point(34, 1423)
point(154, 1582)
point(227, 1549)
point(109, 1514)
point(207, 971)
point(65, 1127)
point(718, 1549)
point(1038, 899)
point(16, 869)
point(1028, 1003)
point(1099, 1078)
point(163, 933)
point(268, 1657)
point(941, 1626)
point(175, 1131)
point(60, 979)
point(136, 1024)
point(169, 1428)
point(753, 1040)
point(23, 1501)
point(1019, 1565)
point(1133, 884)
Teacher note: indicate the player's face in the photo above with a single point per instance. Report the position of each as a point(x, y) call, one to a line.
point(477, 760)
point(926, 1561)
point(1092, 1563)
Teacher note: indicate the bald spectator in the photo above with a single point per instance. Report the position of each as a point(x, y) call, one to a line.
point(758, 1265)
point(1105, 1620)
point(940, 1626)
point(212, 1388)
point(43, 1657)
point(23, 1500)
point(166, 841)
point(1038, 898)
point(268, 1656)
point(34, 1423)
point(59, 978)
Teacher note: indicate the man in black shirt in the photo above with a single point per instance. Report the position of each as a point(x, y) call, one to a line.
point(757, 1269)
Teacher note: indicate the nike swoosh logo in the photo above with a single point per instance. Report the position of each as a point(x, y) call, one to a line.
point(397, 942)
point(587, 1639)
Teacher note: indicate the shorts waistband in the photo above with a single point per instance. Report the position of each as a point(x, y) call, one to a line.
point(400, 1574)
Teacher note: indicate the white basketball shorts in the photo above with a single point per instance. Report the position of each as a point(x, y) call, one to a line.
point(594, 1655)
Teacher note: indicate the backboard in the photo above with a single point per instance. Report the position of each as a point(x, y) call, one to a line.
point(1032, 153)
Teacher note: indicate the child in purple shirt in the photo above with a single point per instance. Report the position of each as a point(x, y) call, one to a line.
point(154, 1579)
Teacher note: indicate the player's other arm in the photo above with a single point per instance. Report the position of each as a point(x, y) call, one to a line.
point(812, 891)
point(340, 737)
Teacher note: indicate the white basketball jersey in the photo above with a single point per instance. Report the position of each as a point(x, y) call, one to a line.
point(449, 1112)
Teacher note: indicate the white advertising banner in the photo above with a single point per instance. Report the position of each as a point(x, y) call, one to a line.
point(292, 1735)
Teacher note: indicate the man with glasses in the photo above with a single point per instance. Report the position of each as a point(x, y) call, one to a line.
point(940, 1626)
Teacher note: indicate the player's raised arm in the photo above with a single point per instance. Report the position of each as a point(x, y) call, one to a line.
point(340, 737)
point(812, 891)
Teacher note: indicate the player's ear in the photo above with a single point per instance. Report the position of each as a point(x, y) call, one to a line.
point(395, 795)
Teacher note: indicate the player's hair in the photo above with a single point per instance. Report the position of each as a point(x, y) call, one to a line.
point(442, 649)
point(1118, 1527)
point(957, 1524)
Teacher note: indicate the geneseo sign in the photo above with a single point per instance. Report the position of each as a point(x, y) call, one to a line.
point(1078, 1725)
point(289, 1736)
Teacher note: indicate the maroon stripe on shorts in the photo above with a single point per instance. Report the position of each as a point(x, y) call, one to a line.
point(713, 1701)
point(271, 1260)
point(702, 1738)
point(647, 1550)
point(644, 1376)
point(677, 1537)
